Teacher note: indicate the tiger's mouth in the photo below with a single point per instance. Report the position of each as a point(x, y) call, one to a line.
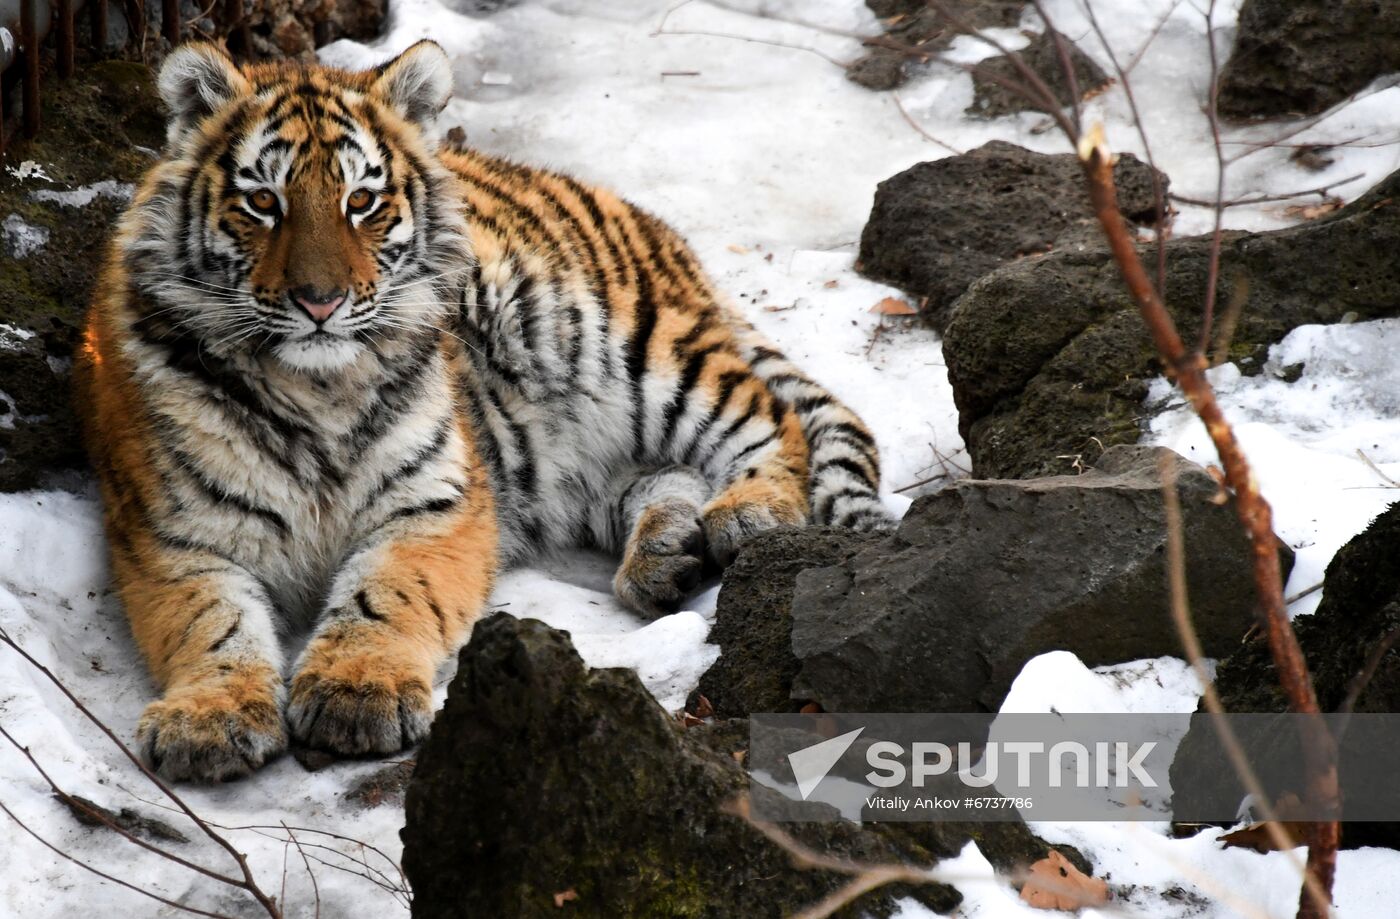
point(319, 350)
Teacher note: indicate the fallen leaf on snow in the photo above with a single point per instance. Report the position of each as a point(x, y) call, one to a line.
point(1313, 211)
point(1258, 837)
point(1055, 883)
point(892, 306)
point(832, 283)
point(738, 249)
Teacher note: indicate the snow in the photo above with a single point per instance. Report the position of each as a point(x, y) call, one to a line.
point(766, 158)
point(11, 336)
point(84, 195)
point(22, 239)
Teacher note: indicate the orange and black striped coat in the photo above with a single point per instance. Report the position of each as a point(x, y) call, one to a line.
point(335, 378)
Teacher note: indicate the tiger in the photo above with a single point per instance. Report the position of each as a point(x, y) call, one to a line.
point(337, 374)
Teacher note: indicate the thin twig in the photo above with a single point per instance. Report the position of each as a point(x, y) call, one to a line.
point(1159, 201)
point(248, 883)
point(1244, 200)
point(1303, 593)
point(899, 104)
point(1374, 468)
point(1180, 605)
point(112, 825)
point(315, 888)
point(1187, 370)
point(104, 875)
point(1363, 677)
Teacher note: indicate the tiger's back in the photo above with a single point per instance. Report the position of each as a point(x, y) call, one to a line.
point(596, 347)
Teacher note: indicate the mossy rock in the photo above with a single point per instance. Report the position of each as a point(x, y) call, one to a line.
point(1360, 610)
point(1050, 361)
point(104, 125)
point(542, 778)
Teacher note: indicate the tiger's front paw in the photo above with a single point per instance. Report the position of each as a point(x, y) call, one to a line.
point(727, 525)
point(664, 559)
point(213, 732)
point(359, 706)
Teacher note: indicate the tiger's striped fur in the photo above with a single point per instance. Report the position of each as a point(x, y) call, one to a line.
point(335, 377)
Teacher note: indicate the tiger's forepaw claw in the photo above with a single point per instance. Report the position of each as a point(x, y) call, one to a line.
point(354, 718)
point(728, 525)
point(664, 561)
point(209, 735)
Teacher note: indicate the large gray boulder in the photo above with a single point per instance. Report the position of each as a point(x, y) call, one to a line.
point(985, 575)
point(1050, 362)
point(1304, 56)
point(753, 620)
point(936, 227)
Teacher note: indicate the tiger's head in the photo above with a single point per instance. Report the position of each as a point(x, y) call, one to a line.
point(300, 210)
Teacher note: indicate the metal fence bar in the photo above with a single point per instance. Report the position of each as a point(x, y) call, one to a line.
point(64, 10)
point(170, 20)
point(97, 24)
point(29, 78)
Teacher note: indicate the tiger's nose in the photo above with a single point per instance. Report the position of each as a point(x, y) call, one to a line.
point(318, 304)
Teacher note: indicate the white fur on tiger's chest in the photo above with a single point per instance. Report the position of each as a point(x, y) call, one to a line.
point(291, 505)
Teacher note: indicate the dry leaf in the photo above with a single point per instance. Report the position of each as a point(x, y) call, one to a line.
point(1222, 486)
point(1256, 836)
point(892, 306)
point(739, 756)
point(832, 283)
point(1313, 211)
point(811, 708)
point(565, 896)
point(738, 249)
point(689, 721)
point(1055, 883)
point(704, 708)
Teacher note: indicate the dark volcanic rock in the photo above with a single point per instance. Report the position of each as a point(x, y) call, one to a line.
point(102, 126)
point(916, 24)
point(1360, 608)
point(1049, 360)
point(993, 99)
point(937, 227)
point(541, 777)
point(753, 618)
point(1304, 56)
point(985, 575)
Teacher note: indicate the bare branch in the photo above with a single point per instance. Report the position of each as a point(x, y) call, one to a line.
point(104, 875)
point(899, 104)
point(248, 882)
point(315, 888)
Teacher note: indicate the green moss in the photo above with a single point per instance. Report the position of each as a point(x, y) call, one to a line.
point(103, 124)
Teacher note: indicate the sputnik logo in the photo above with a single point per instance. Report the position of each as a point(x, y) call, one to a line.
point(811, 764)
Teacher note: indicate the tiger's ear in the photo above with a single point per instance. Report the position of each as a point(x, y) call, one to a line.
point(417, 84)
point(196, 80)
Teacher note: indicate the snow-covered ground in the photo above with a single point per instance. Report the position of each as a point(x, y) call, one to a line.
point(766, 158)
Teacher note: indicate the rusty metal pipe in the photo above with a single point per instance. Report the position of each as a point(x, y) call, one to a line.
point(170, 20)
point(97, 23)
point(29, 41)
point(65, 38)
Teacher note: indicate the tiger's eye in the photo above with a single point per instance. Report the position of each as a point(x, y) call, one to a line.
point(359, 199)
point(263, 201)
